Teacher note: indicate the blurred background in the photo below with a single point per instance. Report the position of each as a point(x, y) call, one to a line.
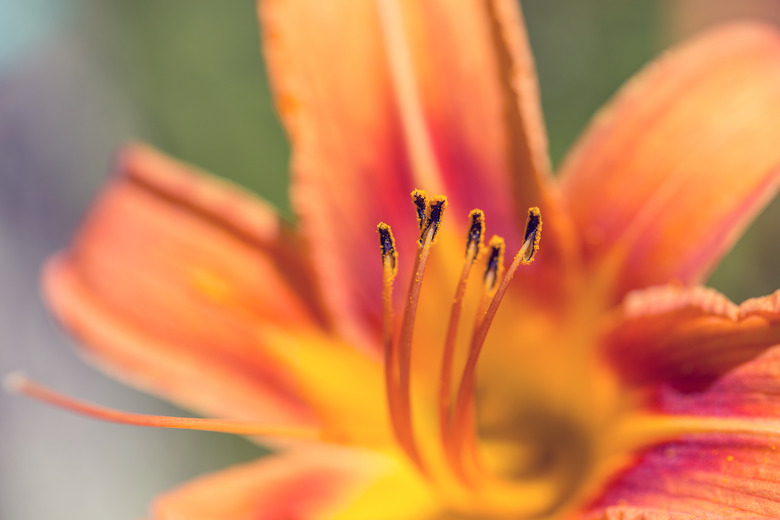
point(79, 77)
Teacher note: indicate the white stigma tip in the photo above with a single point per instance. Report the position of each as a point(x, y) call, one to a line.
point(13, 382)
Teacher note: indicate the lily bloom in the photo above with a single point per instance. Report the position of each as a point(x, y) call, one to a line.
point(419, 374)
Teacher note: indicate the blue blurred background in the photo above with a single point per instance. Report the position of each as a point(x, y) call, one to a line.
point(79, 77)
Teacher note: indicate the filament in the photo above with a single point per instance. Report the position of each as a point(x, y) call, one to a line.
point(21, 384)
point(473, 246)
point(405, 348)
point(461, 438)
point(398, 357)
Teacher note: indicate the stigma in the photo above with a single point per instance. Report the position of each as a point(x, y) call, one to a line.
point(456, 431)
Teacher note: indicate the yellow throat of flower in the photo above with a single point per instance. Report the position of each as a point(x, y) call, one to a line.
point(457, 466)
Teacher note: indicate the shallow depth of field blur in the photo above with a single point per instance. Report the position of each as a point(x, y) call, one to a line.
point(79, 77)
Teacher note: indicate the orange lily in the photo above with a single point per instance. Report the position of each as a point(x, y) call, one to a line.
point(599, 392)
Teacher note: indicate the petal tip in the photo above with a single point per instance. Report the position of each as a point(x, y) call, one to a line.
point(51, 275)
point(745, 32)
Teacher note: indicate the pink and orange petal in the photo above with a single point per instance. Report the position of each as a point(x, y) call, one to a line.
point(672, 170)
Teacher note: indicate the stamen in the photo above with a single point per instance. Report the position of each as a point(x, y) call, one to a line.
point(387, 245)
point(495, 263)
point(476, 232)
point(462, 429)
point(21, 384)
point(420, 199)
point(473, 246)
point(458, 422)
point(533, 234)
point(433, 215)
point(391, 358)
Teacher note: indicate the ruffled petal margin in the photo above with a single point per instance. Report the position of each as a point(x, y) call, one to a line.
point(688, 337)
point(675, 167)
point(304, 484)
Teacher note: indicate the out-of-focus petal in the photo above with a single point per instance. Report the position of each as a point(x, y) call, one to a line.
point(304, 484)
point(672, 170)
point(377, 104)
point(689, 337)
point(170, 283)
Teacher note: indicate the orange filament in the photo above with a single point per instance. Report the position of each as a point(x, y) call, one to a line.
point(21, 384)
point(473, 247)
point(391, 358)
point(461, 437)
point(455, 421)
point(494, 268)
point(429, 223)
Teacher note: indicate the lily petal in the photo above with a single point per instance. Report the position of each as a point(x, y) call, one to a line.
point(689, 337)
point(727, 478)
point(169, 284)
point(638, 513)
point(670, 173)
point(714, 476)
point(304, 484)
point(750, 390)
point(383, 97)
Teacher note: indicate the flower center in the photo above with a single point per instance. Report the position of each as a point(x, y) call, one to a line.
point(566, 455)
point(456, 424)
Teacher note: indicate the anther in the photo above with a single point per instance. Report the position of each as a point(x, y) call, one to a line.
point(387, 245)
point(476, 231)
point(433, 218)
point(533, 234)
point(495, 262)
point(420, 199)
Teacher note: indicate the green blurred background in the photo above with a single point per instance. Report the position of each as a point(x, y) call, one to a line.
point(78, 77)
